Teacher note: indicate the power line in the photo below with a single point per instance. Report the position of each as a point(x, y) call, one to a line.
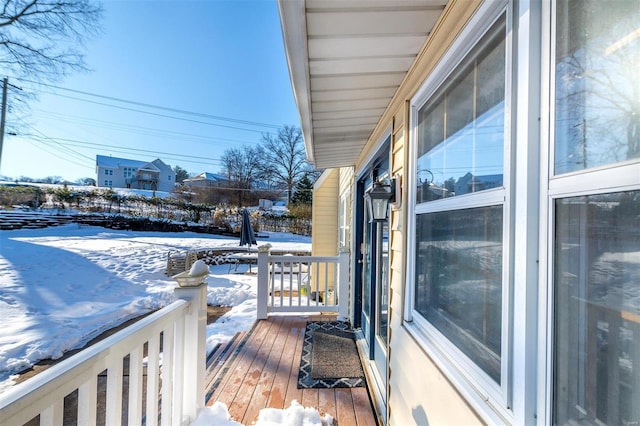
point(66, 148)
point(129, 127)
point(159, 115)
point(116, 148)
point(33, 142)
point(153, 106)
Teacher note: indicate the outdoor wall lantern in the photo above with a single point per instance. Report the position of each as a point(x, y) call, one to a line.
point(378, 199)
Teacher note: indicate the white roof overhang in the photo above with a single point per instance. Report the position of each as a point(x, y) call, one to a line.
point(346, 60)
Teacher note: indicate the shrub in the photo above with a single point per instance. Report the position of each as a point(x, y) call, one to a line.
point(31, 196)
point(300, 211)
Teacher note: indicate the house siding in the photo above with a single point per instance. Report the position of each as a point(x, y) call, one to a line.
point(324, 240)
point(324, 215)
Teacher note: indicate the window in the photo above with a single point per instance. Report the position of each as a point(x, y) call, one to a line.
point(461, 129)
point(344, 217)
point(595, 196)
point(459, 280)
point(459, 180)
point(597, 90)
point(597, 309)
point(108, 183)
point(128, 172)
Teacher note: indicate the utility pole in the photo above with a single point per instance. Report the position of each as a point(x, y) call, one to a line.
point(5, 83)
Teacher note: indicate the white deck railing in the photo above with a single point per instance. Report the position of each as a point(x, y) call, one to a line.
point(165, 352)
point(302, 284)
point(169, 345)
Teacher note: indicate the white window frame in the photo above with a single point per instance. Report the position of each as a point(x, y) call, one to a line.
point(491, 399)
point(615, 177)
point(344, 222)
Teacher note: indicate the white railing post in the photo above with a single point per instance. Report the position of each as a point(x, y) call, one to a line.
point(193, 350)
point(263, 280)
point(343, 283)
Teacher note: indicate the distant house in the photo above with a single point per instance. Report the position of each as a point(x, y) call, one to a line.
point(112, 172)
point(471, 183)
point(206, 180)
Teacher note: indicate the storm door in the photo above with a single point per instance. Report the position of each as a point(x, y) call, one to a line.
point(374, 276)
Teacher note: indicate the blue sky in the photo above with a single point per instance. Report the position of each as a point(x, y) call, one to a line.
point(215, 58)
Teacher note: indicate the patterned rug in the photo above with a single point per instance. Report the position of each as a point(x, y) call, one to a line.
point(329, 357)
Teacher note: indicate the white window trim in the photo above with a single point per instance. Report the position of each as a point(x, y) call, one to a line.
point(344, 220)
point(617, 177)
point(629, 177)
point(490, 399)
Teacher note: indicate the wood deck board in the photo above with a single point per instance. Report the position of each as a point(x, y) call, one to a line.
point(362, 407)
point(287, 362)
point(267, 375)
point(264, 373)
point(249, 384)
point(220, 358)
point(345, 413)
point(310, 398)
point(293, 393)
point(242, 363)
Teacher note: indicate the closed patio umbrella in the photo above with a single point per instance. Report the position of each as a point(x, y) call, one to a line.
point(247, 236)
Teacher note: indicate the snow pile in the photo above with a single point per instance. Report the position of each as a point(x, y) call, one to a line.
point(295, 415)
point(198, 268)
point(217, 415)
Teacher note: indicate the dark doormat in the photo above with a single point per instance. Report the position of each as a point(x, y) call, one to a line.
point(329, 357)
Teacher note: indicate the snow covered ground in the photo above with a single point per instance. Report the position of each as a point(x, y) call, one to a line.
point(62, 286)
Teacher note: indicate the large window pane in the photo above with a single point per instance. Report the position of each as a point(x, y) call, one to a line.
point(461, 129)
point(597, 310)
point(459, 280)
point(597, 85)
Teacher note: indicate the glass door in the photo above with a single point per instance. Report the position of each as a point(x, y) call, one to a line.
point(374, 251)
point(382, 295)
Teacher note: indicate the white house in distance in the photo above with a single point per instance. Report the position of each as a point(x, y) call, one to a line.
point(206, 180)
point(113, 172)
point(515, 297)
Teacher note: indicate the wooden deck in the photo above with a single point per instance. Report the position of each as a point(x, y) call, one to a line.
point(260, 370)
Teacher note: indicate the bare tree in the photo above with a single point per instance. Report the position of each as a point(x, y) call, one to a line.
point(284, 157)
point(242, 168)
point(87, 181)
point(41, 39)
